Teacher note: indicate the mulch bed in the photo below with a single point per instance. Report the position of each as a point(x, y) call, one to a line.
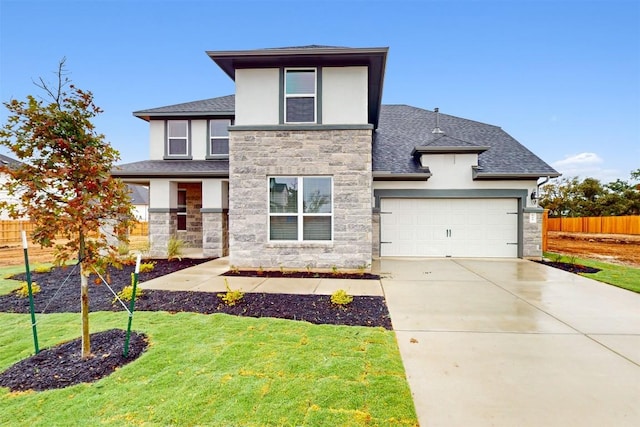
point(572, 268)
point(62, 366)
point(302, 274)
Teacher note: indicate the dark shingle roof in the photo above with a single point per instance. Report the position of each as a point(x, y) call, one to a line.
point(402, 128)
point(172, 169)
point(139, 194)
point(8, 161)
point(223, 105)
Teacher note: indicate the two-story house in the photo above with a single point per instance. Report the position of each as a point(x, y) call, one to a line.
point(304, 166)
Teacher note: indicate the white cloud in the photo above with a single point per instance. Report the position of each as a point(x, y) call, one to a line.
point(586, 165)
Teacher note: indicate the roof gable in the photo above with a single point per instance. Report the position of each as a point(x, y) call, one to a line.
point(403, 128)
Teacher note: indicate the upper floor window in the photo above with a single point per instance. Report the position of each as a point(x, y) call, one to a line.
point(218, 138)
point(300, 95)
point(178, 138)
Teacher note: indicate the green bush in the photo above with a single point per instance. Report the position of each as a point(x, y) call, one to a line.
point(23, 290)
point(127, 292)
point(341, 297)
point(146, 267)
point(174, 248)
point(123, 249)
point(231, 297)
point(42, 269)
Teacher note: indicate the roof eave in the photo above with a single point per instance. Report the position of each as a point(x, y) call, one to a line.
point(389, 176)
point(511, 176)
point(144, 115)
point(427, 149)
point(124, 175)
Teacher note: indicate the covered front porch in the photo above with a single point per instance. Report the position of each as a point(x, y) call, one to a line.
point(194, 211)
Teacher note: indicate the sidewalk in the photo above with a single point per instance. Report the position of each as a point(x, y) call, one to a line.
point(206, 277)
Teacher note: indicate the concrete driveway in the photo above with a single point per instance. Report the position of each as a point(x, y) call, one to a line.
point(514, 343)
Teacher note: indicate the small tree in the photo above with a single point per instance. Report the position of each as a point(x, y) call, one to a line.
point(64, 183)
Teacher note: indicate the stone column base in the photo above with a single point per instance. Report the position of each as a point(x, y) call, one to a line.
point(215, 234)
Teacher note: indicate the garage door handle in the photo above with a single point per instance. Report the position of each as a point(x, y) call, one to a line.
point(385, 243)
point(509, 243)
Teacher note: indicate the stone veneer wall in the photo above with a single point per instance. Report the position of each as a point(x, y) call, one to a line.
point(193, 236)
point(375, 220)
point(532, 236)
point(344, 154)
point(215, 239)
point(162, 226)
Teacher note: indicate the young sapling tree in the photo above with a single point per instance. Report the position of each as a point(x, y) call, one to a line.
point(64, 181)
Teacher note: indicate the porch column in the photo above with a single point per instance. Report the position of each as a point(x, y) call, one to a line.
point(163, 207)
point(215, 208)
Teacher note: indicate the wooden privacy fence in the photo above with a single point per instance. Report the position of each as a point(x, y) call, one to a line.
point(600, 224)
point(11, 230)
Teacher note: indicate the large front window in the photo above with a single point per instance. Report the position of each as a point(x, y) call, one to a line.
point(177, 138)
point(300, 95)
point(300, 208)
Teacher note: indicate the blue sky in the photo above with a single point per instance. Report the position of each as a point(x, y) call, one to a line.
point(562, 77)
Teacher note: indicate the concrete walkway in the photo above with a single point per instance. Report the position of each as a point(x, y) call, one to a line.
point(490, 342)
point(206, 277)
point(514, 343)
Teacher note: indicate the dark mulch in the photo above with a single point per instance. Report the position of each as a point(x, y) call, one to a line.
point(303, 274)
point(63, 366)
point(572, 268)
point(38, 372)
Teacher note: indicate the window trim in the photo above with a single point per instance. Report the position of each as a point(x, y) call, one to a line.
point(179, 213)
point(300, 214)
point(285, 96)
point(210, 156)
point(167, 153)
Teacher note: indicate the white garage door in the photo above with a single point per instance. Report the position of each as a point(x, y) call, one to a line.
point(449, 227)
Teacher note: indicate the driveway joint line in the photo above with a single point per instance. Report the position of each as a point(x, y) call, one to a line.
point(586, 335)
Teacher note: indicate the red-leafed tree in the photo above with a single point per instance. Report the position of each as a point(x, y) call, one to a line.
point(64, 183)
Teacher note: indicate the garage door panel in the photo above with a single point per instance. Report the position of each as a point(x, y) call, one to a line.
point(449, 227)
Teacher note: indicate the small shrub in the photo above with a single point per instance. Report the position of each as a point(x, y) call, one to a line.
point(123, 249)
point(341, 297)
point(231, 297)
point(42, 269)
point(572, 259)
point(127, 292)
point(146, 267)
point(556, 257)
point(234, 269)
point(363, 268)
point(334, 270)
point(23, 290)
point(174, 248)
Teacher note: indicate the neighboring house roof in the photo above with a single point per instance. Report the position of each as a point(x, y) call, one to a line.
point(222, 106)
point(139, 194)
point(403, 128)
point(8, 161)
point(172, 168)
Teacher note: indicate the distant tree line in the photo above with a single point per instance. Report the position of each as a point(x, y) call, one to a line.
point(572, 197)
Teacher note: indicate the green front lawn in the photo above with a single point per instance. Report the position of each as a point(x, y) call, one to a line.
point(613, 274)
point(219, 370)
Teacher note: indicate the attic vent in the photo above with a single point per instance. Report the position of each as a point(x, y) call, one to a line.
point(437, 128)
